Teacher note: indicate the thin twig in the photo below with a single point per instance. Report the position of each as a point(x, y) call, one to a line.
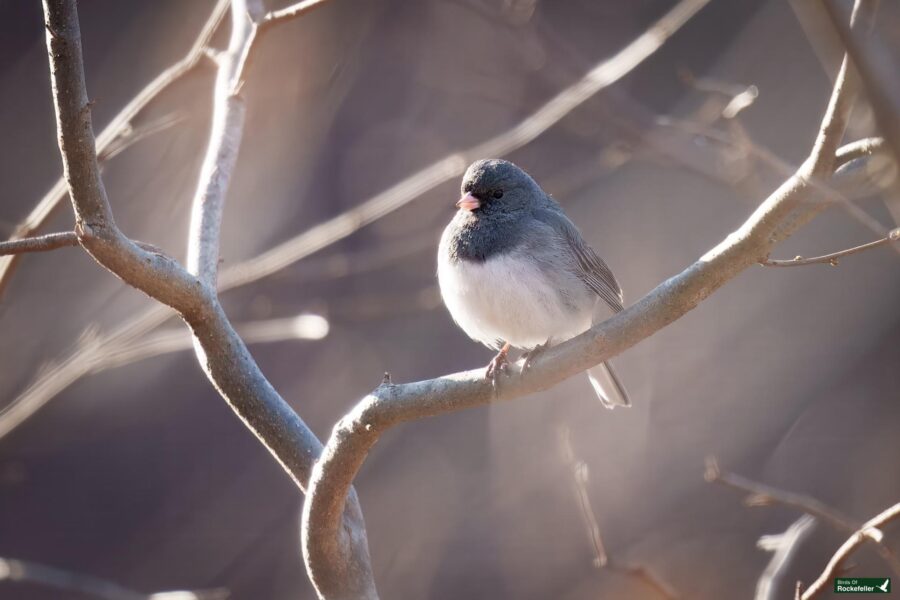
point(760, 494)
point(870, 530)
point(602, 559)
point(23, 571)
point(41, 243)
point(833, 258)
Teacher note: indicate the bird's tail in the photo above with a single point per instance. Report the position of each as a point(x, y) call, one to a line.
point(608, 386)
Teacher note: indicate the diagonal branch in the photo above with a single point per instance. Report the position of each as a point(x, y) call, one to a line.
point(761, 494)
point(786, 209)
point(870, 530)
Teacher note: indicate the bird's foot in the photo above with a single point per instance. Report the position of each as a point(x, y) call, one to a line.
point(498, 365)
point(531, 354)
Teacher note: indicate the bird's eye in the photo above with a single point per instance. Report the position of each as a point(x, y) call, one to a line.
point(497, 194)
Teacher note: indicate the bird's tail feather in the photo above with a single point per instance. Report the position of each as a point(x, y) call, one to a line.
point(608, 386)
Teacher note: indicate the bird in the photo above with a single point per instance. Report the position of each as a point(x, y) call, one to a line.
point(515, 272)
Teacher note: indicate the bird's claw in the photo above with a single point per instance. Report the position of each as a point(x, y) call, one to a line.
point(498, 365)
point(531, 354)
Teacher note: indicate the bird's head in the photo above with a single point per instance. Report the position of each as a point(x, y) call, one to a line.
point(493, 186)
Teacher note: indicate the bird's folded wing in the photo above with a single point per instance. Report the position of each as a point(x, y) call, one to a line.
point(590, 268)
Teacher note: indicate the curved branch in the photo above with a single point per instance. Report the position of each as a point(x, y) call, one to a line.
point(869, 530)
point(325, 540)
point(222, 353)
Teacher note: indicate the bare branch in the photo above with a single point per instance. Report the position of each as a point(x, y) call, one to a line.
point(849, 161)
point(232, 369)
point(23, 571)
point(42, 243)
point(783, 547)
point(222, 353)
point(761, 494)
point(877, 71)
point(290, 12)
point(786, 209)
point(120, 127)
point(602, 559)
point(229, 111)
point(833, 258)
point(870, 530)
point(858, 149)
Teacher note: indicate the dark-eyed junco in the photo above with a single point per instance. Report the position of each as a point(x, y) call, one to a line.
point(515, 272)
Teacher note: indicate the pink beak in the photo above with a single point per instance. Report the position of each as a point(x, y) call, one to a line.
point(468, 202)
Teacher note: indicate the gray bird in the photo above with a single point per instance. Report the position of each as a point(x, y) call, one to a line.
point(514, 271)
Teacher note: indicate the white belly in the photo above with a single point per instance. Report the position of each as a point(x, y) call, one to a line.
point(506, 299)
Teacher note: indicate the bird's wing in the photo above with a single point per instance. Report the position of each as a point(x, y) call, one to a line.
point(589, 267)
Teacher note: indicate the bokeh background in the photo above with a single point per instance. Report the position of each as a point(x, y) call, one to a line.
point(143, 476)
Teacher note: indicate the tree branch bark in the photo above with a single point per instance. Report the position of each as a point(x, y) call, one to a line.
point(42, 243)
point(223, 354)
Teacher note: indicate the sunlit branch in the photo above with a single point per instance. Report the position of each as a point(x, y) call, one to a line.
point(41, 243)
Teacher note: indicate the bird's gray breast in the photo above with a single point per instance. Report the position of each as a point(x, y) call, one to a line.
point(477, 237)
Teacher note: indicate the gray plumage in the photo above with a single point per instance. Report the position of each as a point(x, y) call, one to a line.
point(513, 268)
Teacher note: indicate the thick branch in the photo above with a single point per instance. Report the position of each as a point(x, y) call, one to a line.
point(354, 435)
point(42, 243)
point(869, 530)
point(226, 359)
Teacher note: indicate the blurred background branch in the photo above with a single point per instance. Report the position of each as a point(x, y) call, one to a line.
point(26, 572)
